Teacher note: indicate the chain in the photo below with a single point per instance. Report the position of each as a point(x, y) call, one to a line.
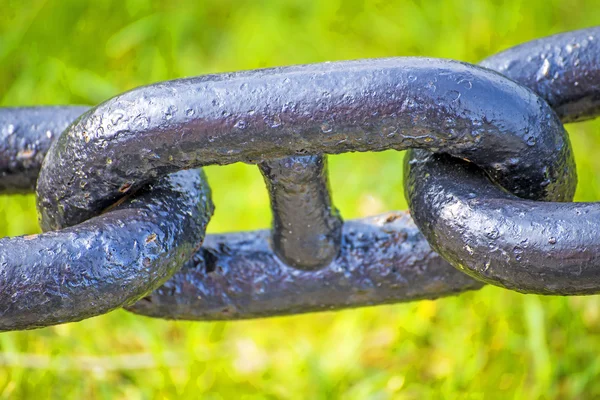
point(125, 211)
point(531, 247)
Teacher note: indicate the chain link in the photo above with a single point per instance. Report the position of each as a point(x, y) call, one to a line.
point(498, 238)
point(120, 159)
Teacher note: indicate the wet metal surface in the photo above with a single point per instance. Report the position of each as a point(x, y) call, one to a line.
point(379, 260)
point(563, 69)
point(254, 116)
point(523, 245)
point(284, 119)
point(106, 262)
point(307, 228)
point(382, 260)
point(25, 136)
point(532, 247)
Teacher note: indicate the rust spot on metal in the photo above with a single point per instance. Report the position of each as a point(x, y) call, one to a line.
point(25, 154)
point(125, 187)
point(392, 217)
point(151, 238)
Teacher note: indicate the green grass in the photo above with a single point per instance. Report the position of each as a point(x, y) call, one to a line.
point(487, 344)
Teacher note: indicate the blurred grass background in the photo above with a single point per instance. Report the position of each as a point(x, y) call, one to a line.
point(486, 344)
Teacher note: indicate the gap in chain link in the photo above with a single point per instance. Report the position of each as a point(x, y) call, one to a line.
point(366, 184)
point(586, 147)
point(18, 215)
point(240, 197)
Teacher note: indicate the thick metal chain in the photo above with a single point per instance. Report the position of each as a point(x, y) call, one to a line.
point(121, 159)
point(496, 237)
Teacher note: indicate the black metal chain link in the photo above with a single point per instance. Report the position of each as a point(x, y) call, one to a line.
point(532, 247)
point(120, 159)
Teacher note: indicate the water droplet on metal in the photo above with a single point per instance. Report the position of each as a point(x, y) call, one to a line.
point(326, 127)
point(543, 71)
point(467, 84)
point(453, 95)
point(116, 117)
point(171, 110)
point(141, 122)
point(241, 124)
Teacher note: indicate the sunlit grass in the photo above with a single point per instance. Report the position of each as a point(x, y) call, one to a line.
point(487, 344)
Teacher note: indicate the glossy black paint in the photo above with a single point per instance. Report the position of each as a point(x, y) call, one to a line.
point(531, 247)
point(523, 245)
point(254, 116)
point(25, 136)
point(107, 262)
point(379, 260)
point(382, 260)
point(307, 228)
point(562, 69)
